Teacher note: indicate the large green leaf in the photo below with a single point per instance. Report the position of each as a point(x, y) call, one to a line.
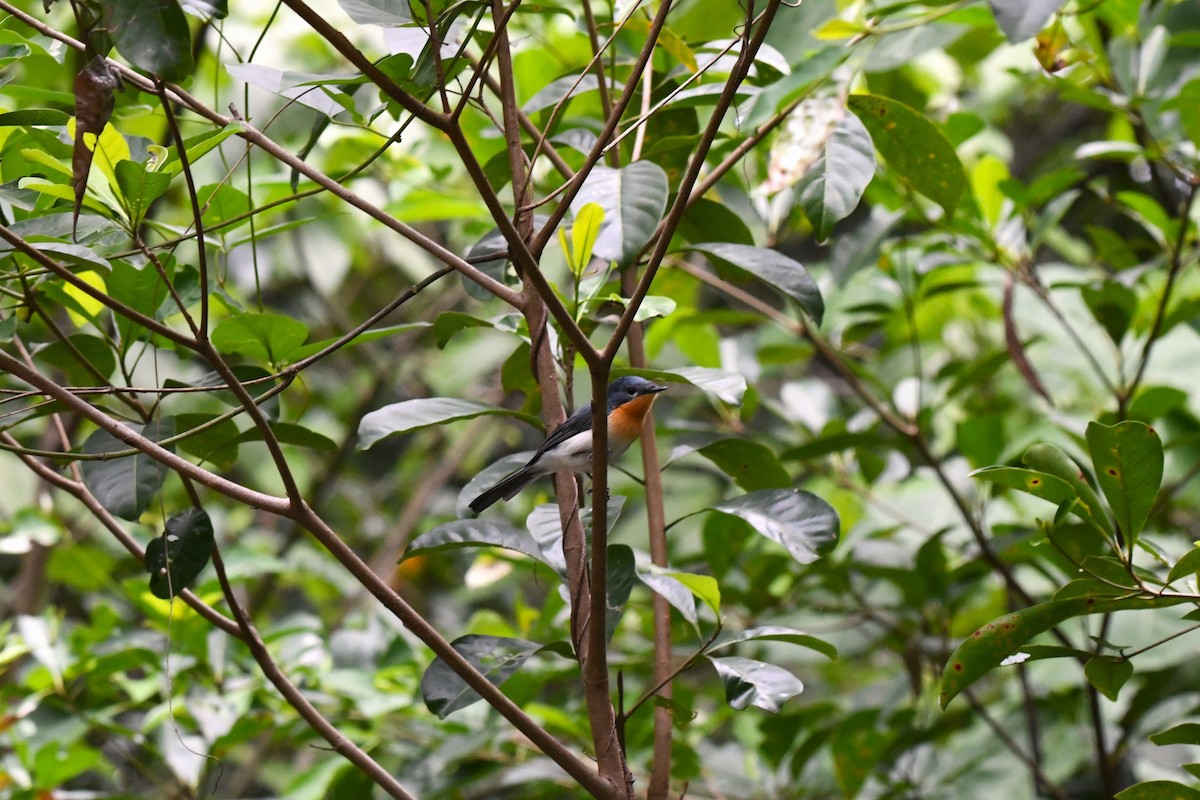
point(385, 13)
point(833, 185)
point(272, 338)
point(633, 199)
point(1039, 484)
point(461, 533)
point(671, 589)
point(752, 465)
point(409, 415)
point(776, 633)
point(153, 35)
point(785, 274)
point(800, 521)
point(727, 386)
point(1050, 460)
point(84, 359)
point(126, 485)
point(755, 683)
point(177, 557)
point(914, 147)
point(1021, 19)
point(622, 575)
point(1108, 675)
point(139, 188)
point(1128, 458)
point(1159, 790)
point(1001, 638)
point(497, 657)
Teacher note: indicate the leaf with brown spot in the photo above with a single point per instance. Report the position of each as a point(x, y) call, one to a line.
point(985, 649)
point(94, 102)
point(1129, 467)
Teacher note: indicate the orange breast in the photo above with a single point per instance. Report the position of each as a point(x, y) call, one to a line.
point(625, 422)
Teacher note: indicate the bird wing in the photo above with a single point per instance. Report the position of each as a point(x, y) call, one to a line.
point(575, 424)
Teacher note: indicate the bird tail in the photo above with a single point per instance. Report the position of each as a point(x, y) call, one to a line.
point(505, 489)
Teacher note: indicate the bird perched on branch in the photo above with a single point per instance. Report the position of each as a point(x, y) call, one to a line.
point(569, 446)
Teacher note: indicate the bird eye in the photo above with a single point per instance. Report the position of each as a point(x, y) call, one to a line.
point(632, 391)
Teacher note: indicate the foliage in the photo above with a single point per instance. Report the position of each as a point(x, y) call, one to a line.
point(281, 286)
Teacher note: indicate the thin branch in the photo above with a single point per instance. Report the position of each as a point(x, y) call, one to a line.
point(364, 65)
point(296, 699)
point(738, 74)
point(1177, 262)
point(610, 125)
point(81, 493)
point(197, 216)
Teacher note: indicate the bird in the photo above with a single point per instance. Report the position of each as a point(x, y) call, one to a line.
point(569, 446)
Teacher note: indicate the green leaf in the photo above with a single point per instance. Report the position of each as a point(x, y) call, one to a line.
point(126, 485)
point(553, 92)
point(1108, 675)
point(914, 147)
point(776, 633)
point(34, 117)
point(152, 35)
point(1113, 305)
point(141, 289)
point(831, 188)
point(197, 146)
point(729, 387)
point(752, 465)
point(410, 415)
point(1128, 458)
point(670, 589)
point(622, 575)
point(785, 274)
point(66, 355)
point(703, 587)
point(178, 556)
point(755, 683)
point(497, 657)
point(1155, 402)
point(1189, 564)
point(1038, 484)
point(461, 533)
point(448, 323)
point(985, 649)
point(139, 189)
point(217, 444)
point(1051, 460)
point(652, 306)
point(385, 13)
point(221, 203)
point(800, 521)
point(709, 221)
point(633, 199)
point(373, 335)
point(1022, 19)
point(293, 434)
point(1184, 733)
point(584, 233)
point(272, 338)
point(858, 748)
point(1158, 790)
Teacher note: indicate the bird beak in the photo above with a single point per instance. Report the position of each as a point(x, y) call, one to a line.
point(656, 390)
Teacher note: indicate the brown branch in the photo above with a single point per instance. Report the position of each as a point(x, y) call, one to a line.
point(660, 763)
point(81, 493)
point(610, 125)
point(364, 65)
point(296, 699)
point(1160, 313)
point(738, 74)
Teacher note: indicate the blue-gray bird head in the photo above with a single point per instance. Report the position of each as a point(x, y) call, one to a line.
point(631, 387)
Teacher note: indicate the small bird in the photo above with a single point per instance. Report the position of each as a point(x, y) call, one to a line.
point(569, 446)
